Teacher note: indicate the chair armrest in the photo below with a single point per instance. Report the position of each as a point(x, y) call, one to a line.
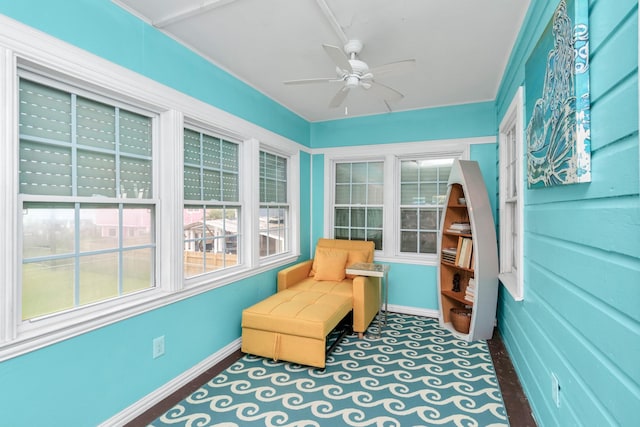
point(294, 274)
point(366, 301)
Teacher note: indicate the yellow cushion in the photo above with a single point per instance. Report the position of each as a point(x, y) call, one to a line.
point(330, 264)
point(354, 258)
point(294, 312)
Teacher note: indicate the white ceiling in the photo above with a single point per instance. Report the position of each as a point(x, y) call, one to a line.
point(461, 47)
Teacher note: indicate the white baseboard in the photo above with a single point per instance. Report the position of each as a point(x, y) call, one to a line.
point(425, 312)
point(153, 398)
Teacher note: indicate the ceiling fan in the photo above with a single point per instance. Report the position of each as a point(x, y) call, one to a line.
point(353, 73)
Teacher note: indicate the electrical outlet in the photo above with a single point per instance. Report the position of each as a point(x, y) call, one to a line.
point(158, 347)
point(555, 389)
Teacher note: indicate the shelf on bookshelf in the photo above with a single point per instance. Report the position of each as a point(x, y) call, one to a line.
point(458, 296)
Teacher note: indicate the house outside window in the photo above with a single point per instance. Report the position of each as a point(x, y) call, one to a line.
point(86, 193)
point(423, 190)
point(211, 216)
point(511, 201)
point(358, 202)
point(274, 228)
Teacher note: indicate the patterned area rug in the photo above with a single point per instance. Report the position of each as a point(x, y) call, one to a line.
point(415, 374)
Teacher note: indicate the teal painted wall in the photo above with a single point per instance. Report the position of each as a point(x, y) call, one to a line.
point(580, 318)
point(89, 378)
point(463, 121)
point(459, 121)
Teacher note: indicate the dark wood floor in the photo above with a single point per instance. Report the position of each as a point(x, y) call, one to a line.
point(515, 401)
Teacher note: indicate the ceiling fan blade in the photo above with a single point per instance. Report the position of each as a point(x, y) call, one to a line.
point(339, 97)
point(385, 92)
point(338, 57)
point(311, 81)
point(394, 67)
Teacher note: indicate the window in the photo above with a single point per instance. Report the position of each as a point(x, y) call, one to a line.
point(211, 217)
point(358, 203)
point(274, 207)
point(85, 184)
point(511, 179)
point(423, 190)
point(393, 197)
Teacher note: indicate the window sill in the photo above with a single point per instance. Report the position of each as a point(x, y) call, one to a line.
point(42, 332)
point(510, 282)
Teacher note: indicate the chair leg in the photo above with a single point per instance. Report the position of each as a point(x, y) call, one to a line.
point(360, 335)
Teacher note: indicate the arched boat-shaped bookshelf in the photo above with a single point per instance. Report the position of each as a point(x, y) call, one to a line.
point(468, 252)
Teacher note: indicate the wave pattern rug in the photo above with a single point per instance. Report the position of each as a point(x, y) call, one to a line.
point(415, 374)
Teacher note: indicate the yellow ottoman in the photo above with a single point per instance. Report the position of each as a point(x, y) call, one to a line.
point(293, 325)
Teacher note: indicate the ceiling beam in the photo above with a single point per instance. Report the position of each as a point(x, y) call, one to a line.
point(206, 6)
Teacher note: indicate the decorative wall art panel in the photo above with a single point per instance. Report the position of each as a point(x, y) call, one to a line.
point(557, 100)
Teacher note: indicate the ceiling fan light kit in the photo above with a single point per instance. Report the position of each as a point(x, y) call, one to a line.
point(354, 72)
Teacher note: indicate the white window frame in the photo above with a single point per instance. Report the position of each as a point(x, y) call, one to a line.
point(53, 81)
point(24, 47)
point(391, 154)
point(206, 277)
point(512, 132)
point(289, 220)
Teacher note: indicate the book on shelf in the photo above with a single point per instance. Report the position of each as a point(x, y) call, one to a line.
point(470, 292)
point(465, 249)
point(449, 255)
point(460, 227)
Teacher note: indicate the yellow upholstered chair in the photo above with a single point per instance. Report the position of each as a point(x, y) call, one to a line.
point(326, 274)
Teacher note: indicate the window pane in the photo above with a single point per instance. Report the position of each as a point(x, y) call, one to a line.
point(409, 195)
point(44, 112)
point(135, 134)
point(191, 147)
point(429, 193)
point(47, 231)
point(191, 184)
point(137, 270)
point(273, 230)
point(210, 152)
point(376, 172)
point(358, 172)
point(374, 218)
point(409, 219)
point(428, 219)
point(343, 194)
point(99, 228)
point(47, 287)
point(96, 174)
point(428, 243)
point(96, 124)
point(428, 173)
point(136, 226)
point(211, 185)
point(45, 169)
point(408, 241)
point(375, 195)
point(230, 192)
point(98, 277)
point(342, 217)
point(135, 178)
point(358, 217)
point(409, 171)
point(341, 233)
point(343, 173)
point(358, 194)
